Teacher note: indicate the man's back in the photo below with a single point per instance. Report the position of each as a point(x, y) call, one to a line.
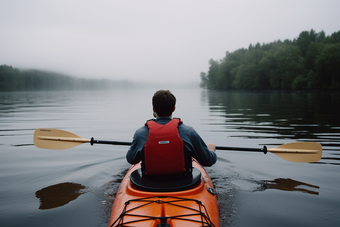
point(193, 144)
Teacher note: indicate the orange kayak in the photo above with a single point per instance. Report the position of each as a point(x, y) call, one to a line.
point(160, 202)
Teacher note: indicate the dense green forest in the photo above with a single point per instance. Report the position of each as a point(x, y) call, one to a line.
point(12, 79)
point(309, 62)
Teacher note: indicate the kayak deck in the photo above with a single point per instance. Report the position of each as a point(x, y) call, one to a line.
point(186, 211)
point(196, 206)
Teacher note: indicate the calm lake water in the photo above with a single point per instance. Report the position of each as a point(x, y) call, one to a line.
point(253, 189)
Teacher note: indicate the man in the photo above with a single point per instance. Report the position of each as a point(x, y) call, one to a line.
point(166, 145)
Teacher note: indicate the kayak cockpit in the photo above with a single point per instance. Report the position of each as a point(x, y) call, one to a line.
point(165, 183)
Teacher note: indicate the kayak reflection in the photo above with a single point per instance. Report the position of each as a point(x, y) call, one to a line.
point(58, 195)
point(287, 184)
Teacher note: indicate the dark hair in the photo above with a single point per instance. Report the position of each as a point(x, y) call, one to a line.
point(164, 103)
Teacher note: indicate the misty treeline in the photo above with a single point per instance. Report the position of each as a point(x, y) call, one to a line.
point(13, 79)
point(309, 62)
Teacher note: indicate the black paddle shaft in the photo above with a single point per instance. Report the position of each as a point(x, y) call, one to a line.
point(109, 142)
point(264, 149)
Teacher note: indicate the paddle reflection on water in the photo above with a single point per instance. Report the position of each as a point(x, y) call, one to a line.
point(289, 185)
point(59, 195)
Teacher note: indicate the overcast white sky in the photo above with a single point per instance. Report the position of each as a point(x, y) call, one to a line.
point(160, 40)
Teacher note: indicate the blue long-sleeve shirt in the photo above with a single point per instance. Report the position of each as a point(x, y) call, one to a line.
point(192, 143)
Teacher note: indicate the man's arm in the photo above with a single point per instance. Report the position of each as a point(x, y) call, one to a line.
point(133, 156)
point(199, 150)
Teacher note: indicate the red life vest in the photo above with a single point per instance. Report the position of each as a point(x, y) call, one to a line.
point(164, 149)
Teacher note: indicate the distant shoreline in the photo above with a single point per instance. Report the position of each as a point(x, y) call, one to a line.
point(309, 62)
point(13, 79)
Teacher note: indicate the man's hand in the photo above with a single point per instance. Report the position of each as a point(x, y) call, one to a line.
point(211, 146)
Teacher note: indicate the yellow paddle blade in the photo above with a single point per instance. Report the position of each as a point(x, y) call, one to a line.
point(56, 139)
point(299, 151)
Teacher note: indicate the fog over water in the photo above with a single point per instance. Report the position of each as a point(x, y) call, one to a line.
point(148, 40)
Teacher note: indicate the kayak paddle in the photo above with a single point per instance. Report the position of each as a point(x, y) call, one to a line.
point(56, 139)
point(48, 138)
